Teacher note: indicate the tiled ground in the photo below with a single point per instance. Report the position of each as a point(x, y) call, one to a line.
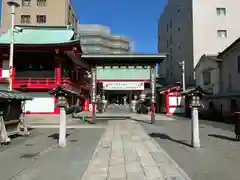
point(126, 152)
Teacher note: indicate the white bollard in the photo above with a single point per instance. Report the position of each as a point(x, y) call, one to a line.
point(195, 128)
point(62, 129)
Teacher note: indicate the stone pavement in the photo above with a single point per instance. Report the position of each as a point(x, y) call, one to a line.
point(126, 152)
point(52, 121)
point(37, 157)
point(219, 155)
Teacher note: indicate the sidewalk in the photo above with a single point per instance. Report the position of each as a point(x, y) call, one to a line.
point(38, 157)
point(53, 121)
point(126, 152)
point(219, 155)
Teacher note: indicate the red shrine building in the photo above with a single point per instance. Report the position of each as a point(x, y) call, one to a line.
point(44, 58)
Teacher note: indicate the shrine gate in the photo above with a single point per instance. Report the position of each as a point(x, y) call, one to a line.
point(131, 73)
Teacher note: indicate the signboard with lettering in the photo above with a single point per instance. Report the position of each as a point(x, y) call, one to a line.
point(123, 72)
point(123, 85)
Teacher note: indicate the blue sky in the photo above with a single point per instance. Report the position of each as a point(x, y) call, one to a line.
point(137, 19)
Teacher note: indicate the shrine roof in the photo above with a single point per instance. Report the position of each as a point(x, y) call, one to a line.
point(40, 35)
point(196, 90)
point(13, 95)
point(124, 58)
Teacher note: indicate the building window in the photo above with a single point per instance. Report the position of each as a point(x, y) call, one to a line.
point(167, 27)
point(179, 47)
point(207, 77)
point(25, 19)
point(41, 19)
point(26, 2)
point(179, 29)
point(221, 11)
point(238, 63)
point(41, 2)
point(222, 33)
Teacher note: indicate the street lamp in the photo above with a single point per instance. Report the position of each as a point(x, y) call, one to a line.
point(13, 5)
point(182, 65)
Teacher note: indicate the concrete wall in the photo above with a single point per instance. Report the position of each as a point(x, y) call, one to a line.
point(64, 14)
point(228, 83)
point(230, 76)
point(213, 68)
point(43, 103)
point(96, 38)
point(198, 22)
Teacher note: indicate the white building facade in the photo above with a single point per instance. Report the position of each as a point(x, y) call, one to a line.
point(207, 73)
point(96, 38)
point(190, 28)
point(220, 74)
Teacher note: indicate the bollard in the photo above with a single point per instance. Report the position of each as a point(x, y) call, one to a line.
point(62, 129)
point(195, 128)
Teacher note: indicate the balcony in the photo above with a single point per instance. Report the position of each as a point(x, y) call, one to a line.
point(44, 83)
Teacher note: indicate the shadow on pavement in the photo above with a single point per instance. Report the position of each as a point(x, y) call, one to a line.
point(222, 137)
point(165, 136)
point(56, 135)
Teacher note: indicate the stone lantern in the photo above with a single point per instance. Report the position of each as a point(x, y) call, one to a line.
point(195, 94)
point(61, 94)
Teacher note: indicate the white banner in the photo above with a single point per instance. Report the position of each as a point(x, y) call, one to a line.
point(123, 85)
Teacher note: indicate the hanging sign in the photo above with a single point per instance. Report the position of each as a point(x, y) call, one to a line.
point(123, 85)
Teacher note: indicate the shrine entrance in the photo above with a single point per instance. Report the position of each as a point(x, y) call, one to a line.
point(118, 75)
point(118, 97)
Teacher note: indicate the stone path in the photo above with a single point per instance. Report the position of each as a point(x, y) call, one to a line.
point(126, 152)
point(37, 157)
point(218, 158)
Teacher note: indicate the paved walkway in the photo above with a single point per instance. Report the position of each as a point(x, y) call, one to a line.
point(126, 152)
point(219, 155)
point(37, 157)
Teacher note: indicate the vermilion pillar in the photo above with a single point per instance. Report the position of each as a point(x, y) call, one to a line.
point(93, 95)
point(153, 85)
point(58, 75)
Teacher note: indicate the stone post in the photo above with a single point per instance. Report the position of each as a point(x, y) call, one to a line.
point(63, 128)
point(93, 94)
point(153, 84)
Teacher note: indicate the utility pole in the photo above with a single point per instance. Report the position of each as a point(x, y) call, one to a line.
point(3, 132)
point(13, 5)
point(153, 86)
point(182, 65)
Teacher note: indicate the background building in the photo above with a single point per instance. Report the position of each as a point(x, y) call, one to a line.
point(40, 13)
point(190, 28)
point(97, 38)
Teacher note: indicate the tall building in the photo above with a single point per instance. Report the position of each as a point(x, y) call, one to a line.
point(190, 28)
point(40, 13)
point(97, 38)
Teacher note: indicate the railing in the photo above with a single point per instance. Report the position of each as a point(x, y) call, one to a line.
point(34, 82)
point(3, 80)
point(44, 83)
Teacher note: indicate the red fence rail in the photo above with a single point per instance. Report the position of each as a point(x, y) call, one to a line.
point(42, 83)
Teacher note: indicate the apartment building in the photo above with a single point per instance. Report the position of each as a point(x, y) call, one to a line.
point(40, 13)
point(190, 28)
point(96, 38)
